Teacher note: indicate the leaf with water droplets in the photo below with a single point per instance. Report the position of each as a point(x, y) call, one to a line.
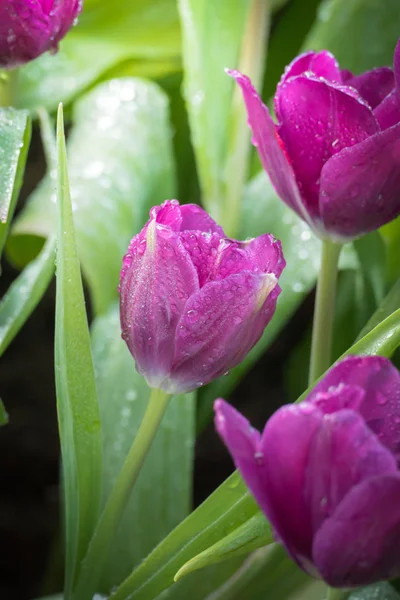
point(162, 496)
point(15, 133)
point(378, 591)
point(120, 165)
point(77, 407)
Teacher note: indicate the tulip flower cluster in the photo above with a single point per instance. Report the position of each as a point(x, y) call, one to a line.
point(193, 304)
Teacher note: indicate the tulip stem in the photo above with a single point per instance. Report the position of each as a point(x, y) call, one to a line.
point(99, 546)
point(321, 345)
point(336, 594)
point(252, 63)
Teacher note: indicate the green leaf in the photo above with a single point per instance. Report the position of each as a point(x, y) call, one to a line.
point(25, 293)
point(378, 591)
point(349, 30)
point(15, 135)
point(162, 496)
point(120, 165)
point(212, 36)
point(108, 34)
point(225, 510)
point(371, 253)
point(389, 305)
point(78, 412)
point(241, 541)
point(3, 414)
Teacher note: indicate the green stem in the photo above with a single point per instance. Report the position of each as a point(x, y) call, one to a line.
point(336, 594)
point(324, 311)
point(8, 80)
point(99, 546)
point(252, 63)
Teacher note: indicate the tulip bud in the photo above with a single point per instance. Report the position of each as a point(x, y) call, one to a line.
point(326, 472)
point(193, 303)
point(334, 154)
point(28, 28)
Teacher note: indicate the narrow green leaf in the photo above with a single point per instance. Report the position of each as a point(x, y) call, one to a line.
point(3, 414)
point(121, 164)
point(107, 34)
point(349, 30)
point(241, 541)
point(389, 305)
point(371, 253)
point(383, 340)
point(25, 293)
point(212, 36)
point(78, 413)
point(225, 510)
point(15, 135)
point(162, 496)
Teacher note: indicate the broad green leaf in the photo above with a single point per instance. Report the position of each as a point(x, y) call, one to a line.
point(78, 412)
point(120, 165)
point(383, 340)
point(225, 510)
point(378, 591)
point(241, 541)
point(25, 294)
point(3, 414)
point(391, 235)
point(15, 135)
point(108, 33)
point(162, 496)
point(212, 37)
point(351, 30)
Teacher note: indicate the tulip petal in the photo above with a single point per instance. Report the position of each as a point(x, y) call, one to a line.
point(388, 112)
point(203, 250)
point(360, 186)
point(243, 443)
point(219, 326)
point(169, 213)
point(343, 453)
point(158, 279)
point(360, 543)
point(285, 444)
point(380, 381)
point(373, 86)
point(318, 120)
point(270, 147)
point(262, 254)
point(194, 217)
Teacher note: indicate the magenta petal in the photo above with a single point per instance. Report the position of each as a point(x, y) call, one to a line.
point(203, 250)
point(285, 444)
point(243, 443)
point(360, 543)
point(380, 381)
point(270, 147)
point(194, 217)
point(343, 453)
point(219, 326)
point(373, 86)
point(388, 112)
point(168, 214)
point(318, 120)
point(360, 186)
point(158, 278)
point(262, 254)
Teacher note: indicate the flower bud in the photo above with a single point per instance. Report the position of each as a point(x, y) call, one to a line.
point(334, 154)
point(193, 303)
point(28, 28)
point(326, 472)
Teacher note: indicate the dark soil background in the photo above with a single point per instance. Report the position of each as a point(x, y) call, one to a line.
point(29, 447)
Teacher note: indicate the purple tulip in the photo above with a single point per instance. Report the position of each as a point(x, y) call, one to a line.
point(193, 303)
point(326, 472)
point(334, 155)
point(30, 27)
